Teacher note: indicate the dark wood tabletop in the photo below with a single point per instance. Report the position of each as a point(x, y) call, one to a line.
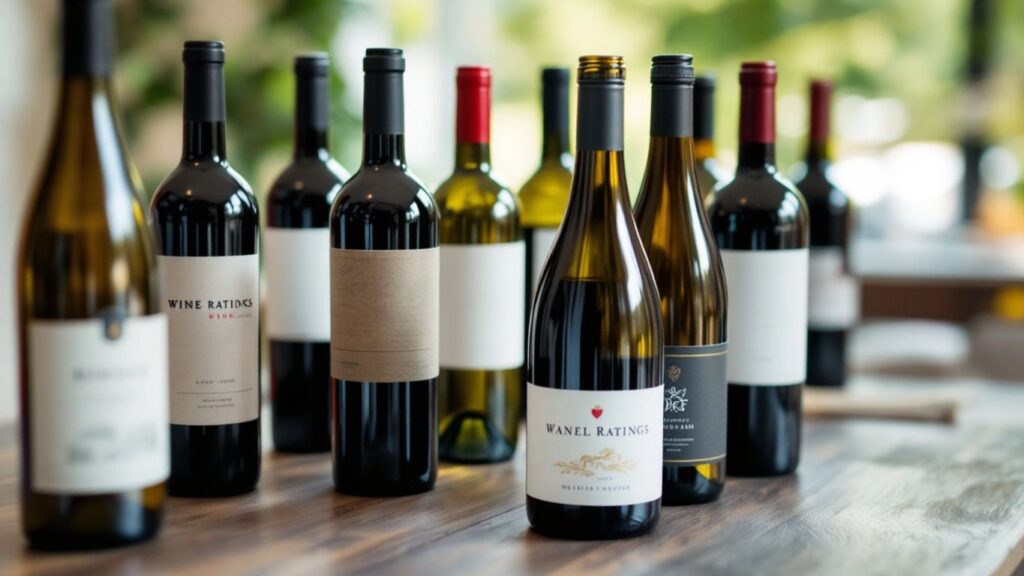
point(870, 497)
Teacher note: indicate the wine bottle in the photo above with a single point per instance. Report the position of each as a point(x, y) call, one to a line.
point(296, 258)
point(385, 291)
point(93, 343)
point(709, 174)
point(761, 225)
point(595, 362)
point(545, 195)
point(688, 271)
point(207, 222)
point(834, 295)
point(483, 260)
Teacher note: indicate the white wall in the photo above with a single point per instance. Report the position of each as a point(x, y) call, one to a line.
point(28, 69)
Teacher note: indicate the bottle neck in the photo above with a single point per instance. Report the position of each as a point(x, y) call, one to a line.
point(757, 127)
point(205, 114)
point(704, 116)
point(671, 148)
point(555, 147)
point(599, 176)
point(383, 119)
point(555, 99)
point(312, 116)
point(599, 117)
point(473, 156)
point(384, 149)
point(473, 125)
point(818, 142)
point(704, 149)
point(756, 156)
point(818, 154)
point(601, 188)
point(88, 37)
point(204, 141)
point(671, 160)
point(85, 101)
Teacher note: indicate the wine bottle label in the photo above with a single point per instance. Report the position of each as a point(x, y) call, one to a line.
point(482, 305)
point(834, 295)
point(213, 304)
point(385, 314)
point(541, 239)
point(695, 404)
point(587, 448)
point(297, 271)
point(767, 323)
point(98, 404)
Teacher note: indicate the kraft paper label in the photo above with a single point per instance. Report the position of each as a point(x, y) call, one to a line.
point(385, 314)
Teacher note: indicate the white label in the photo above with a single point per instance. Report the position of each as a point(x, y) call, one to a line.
point(543, 238)
point(767, 316)
point(482, 305)
point(213, 307)
point(297, 264)
point(834, 296)
point(98, 405)
point(589, 448)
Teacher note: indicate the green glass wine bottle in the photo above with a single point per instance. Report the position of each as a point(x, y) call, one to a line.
point(93, 342)
point(691, 283)
point(482, 282)
point(595, 362)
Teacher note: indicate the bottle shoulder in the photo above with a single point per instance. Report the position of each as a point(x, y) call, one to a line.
point(307, 180)
point(202, 186)
point(759, 192)
point(474, 190)
point(759, 210)
point(545, 196)
point(385, 188)
point(820, 192)
point(550, 180)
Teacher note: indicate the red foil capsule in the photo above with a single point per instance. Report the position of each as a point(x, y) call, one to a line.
point(821, 97)
point(473, 105)
point(757, 102)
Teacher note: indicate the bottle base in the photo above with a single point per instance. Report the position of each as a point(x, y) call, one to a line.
point(456, 459)
point(301, 449)
point(567, 522)
point(194, 491)
point(762, 472)
point(61, 540)
point(685, 486)
point(379, 491)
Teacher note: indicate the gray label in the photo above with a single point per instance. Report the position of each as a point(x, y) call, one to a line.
point(695, 404)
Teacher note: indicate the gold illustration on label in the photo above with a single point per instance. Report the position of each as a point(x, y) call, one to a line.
point(608, 460)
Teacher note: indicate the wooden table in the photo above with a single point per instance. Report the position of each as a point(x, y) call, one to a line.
point(870, 497)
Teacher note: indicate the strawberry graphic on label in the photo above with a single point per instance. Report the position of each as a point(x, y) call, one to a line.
point(596, 411)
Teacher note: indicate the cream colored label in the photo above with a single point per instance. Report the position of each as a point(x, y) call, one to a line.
point(482, 305)
point(834, 295)
point(385, 314)
point(297, 268)
point(212, 303)
point(98, 404)
point(594, 448)
point(767, 316)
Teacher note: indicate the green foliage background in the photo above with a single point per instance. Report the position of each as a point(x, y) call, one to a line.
point(912, 50)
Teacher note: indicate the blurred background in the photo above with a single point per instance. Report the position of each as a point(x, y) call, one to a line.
point(928, 122)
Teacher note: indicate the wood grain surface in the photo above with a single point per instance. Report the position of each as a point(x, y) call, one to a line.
point(870, 497)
